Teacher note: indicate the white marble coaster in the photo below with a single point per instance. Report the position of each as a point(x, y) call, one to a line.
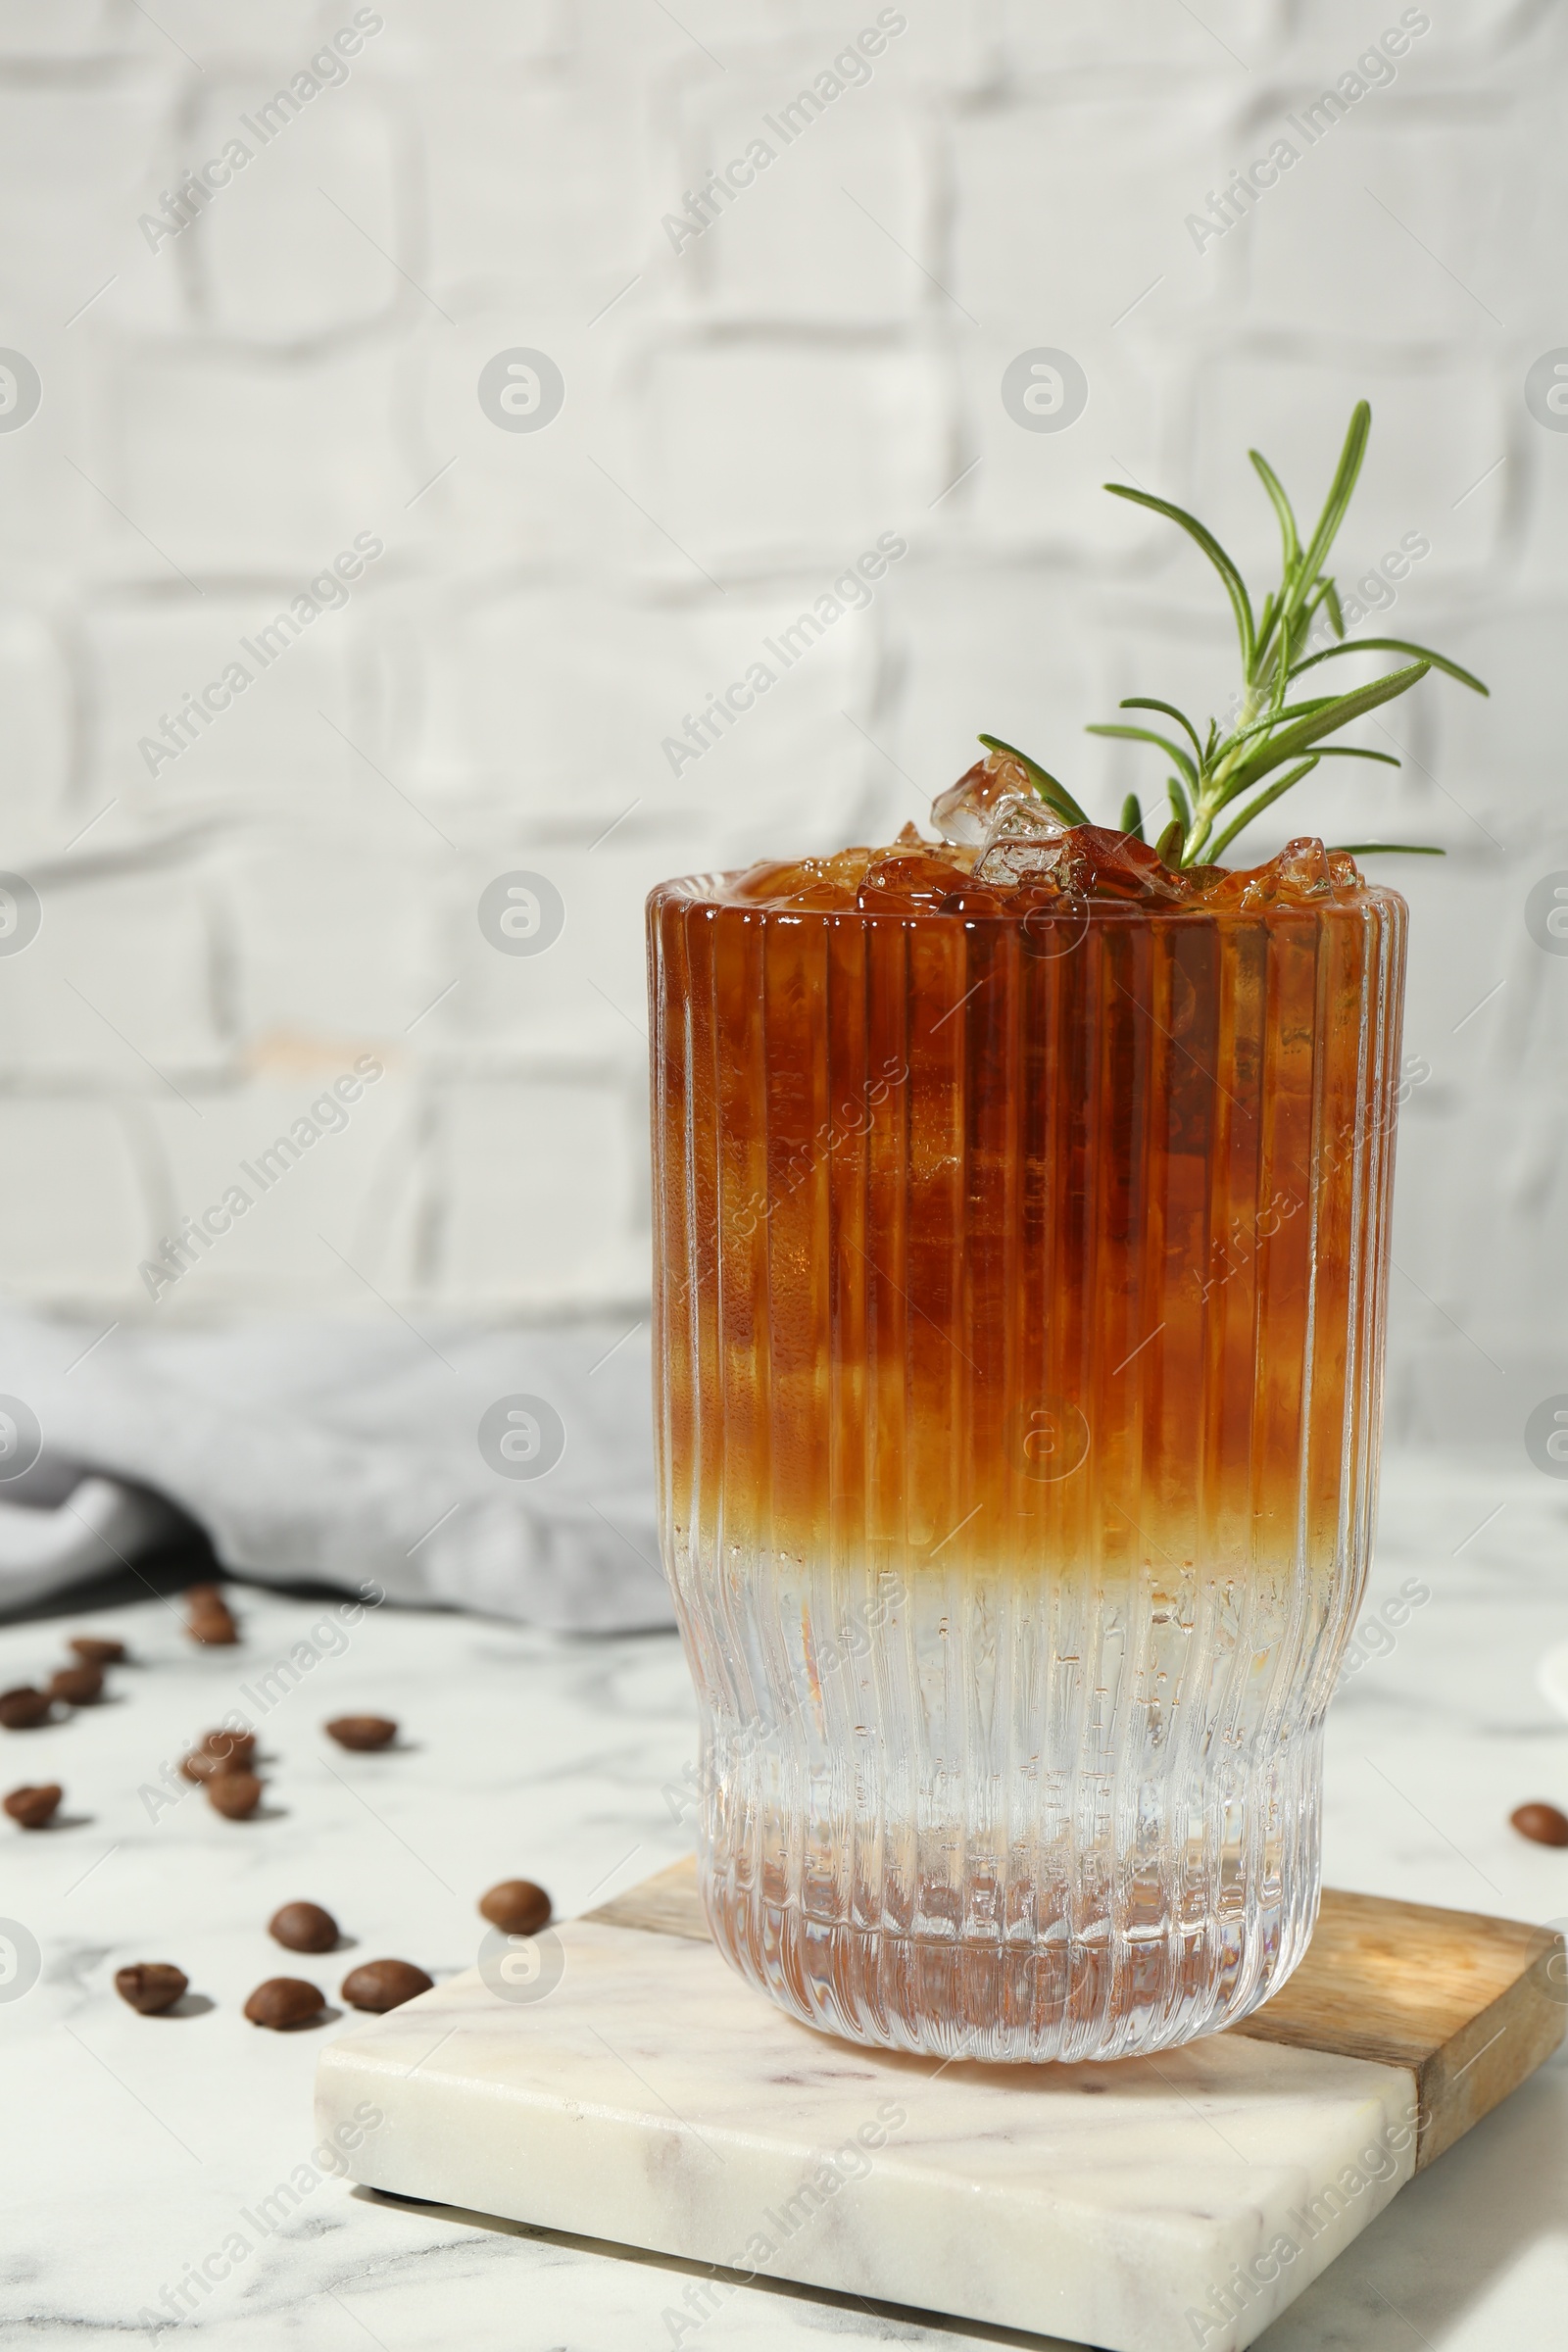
point(652, 2098)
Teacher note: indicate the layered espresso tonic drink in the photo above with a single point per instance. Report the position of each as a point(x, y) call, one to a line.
point(1021, 1232)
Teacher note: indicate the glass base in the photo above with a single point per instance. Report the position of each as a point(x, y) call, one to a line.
point(1121, 1994)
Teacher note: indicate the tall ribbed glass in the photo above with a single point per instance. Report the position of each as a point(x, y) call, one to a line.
point(1019, 1335)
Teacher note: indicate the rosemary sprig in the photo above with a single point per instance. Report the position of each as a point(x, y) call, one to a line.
point(1271, 733)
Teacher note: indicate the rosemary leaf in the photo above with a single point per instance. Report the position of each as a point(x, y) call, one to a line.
point(1395, 645)
point(1235, 585)
point(1338, 714)
point(1145, 735)
point(1281, 504)
point(1146, 701)
point(1340, 490)
point(1056, 796)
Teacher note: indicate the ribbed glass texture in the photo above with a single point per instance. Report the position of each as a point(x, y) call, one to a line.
point(1020, 1307)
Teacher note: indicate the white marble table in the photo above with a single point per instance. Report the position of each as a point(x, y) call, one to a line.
point(138, 2150)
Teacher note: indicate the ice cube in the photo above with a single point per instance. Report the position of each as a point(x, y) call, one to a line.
point(1303, 867)
point(1103, 864)
point(804, 882)
point(966, 812)
point(904, 883)
point(1302, 871)
point(1023, 843)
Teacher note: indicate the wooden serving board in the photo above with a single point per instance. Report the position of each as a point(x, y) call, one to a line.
point(1470, 2004)
point(632, 2089)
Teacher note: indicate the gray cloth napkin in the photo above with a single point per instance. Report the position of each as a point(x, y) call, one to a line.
point(502, 1471)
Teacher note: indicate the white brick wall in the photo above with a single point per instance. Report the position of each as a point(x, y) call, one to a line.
point(222, 415)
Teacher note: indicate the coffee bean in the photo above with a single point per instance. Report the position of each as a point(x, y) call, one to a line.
point(382, 1985)
point(517, 1905)
point(1543, 1825)
point(23, 1708)
point(208, 1620)
point(95, 1650)
point(218, 1752)
point(284, 2001)
point(151, 1986)
point(235, 1795)
point(362, 1731)
point(304, 1927)
point(78, 1686)
point(33, 1808)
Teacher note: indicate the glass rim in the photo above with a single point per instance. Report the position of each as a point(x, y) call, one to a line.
point(709, 891)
